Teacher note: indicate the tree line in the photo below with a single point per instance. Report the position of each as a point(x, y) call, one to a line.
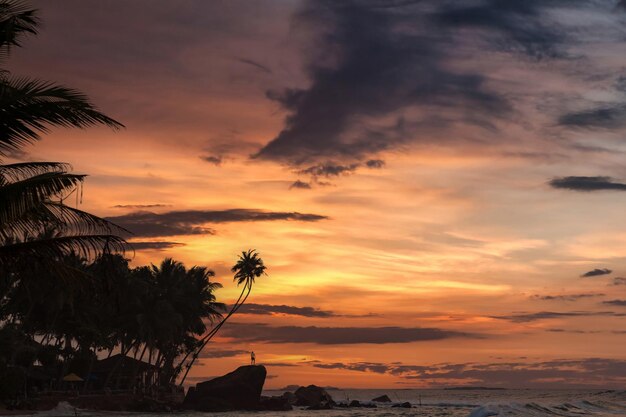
point(68, 295)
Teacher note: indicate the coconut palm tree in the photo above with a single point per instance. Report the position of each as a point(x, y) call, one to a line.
point(248, 267)
point(32, 194)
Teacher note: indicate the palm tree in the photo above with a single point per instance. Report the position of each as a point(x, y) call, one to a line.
point(32, 193)
point(248, 267)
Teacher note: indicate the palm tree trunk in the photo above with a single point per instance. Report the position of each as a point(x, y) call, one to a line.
point(212, 333)
point(208, 335)
point(91, 363)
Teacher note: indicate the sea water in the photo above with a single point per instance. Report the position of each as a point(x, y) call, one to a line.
point(437, 403)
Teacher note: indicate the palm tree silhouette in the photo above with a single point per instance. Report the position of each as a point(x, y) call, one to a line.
point(32, 193)
point(248, 267)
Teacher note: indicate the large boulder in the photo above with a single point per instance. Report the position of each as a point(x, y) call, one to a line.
point(238, 390)
point(313, 396)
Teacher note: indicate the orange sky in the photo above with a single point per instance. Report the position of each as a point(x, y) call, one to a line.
point(453, 262)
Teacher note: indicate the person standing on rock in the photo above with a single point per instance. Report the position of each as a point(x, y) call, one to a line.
point(252, 358)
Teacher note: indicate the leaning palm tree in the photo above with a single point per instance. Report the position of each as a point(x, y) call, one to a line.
point(248, 267)
point(32, 194)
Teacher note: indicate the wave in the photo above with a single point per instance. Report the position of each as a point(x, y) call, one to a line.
point(607, 403)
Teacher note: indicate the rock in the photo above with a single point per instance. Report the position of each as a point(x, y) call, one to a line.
point(402, 405)
point(290, 397)
point(313, 396)
point(238, 390)
point(321, 406)
point(354, 403)
point(280, 403)
point(382, 399)
point(369, 405)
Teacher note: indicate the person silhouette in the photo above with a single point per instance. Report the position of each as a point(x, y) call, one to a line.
point(252, 358)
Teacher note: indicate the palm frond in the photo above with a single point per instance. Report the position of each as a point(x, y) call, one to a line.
point(18, 198)
point(30, 107)
point(22, 170)
point(16, 19)
point(56, 247)
point(78, 221)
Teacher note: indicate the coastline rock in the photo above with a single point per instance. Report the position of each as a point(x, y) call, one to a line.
point(238, 390)
point(290, 397)
point(354, 403)
point(402, 405)
point(313, 396)
point(280, 403)
point(382, 399)
point(321, 406)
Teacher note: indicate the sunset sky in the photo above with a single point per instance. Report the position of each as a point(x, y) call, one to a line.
point(436, 186)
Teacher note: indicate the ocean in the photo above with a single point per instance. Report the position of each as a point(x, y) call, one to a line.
point(437, 403)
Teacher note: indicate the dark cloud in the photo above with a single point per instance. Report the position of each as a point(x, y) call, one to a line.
point(336, 335)
point(222, 353)
point(586, 372)
point(300, 185)
point(255, 64)
point(155, 245)
point(513, 26)
point(587, 183)
point(370, 62)
point(543, 315)
point(375, 163)
point(608, 117)
point(280, 364)
point(555, 374)
point(567, 297)
point(192, 222)
point(619, 281)
point(140, 206)
point(378, 368)
point(571, 331)
point(596, 272)
point(215, 160)
point(329, 170)
point(620, 303)
point(266, 309)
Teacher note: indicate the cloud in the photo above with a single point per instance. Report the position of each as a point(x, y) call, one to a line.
point(513, 26)
point(192, 222)
point(222, 353)
point(337, 335)
point(567, 297)
point(140, 206)
point(608, 117)
point(300, 185)
point(215, 160)
point(586, 372)
point(329, 170)
point(620, 303)
point(155, 245)
point(596, 272)
point(571, 331)
point(280, 364)
point(619, 281)
point(266, 309)
point(375, 163)
point(368, 62)
point(544, 315)
point(255, 64)
point(587, 183)
point(378, 368)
